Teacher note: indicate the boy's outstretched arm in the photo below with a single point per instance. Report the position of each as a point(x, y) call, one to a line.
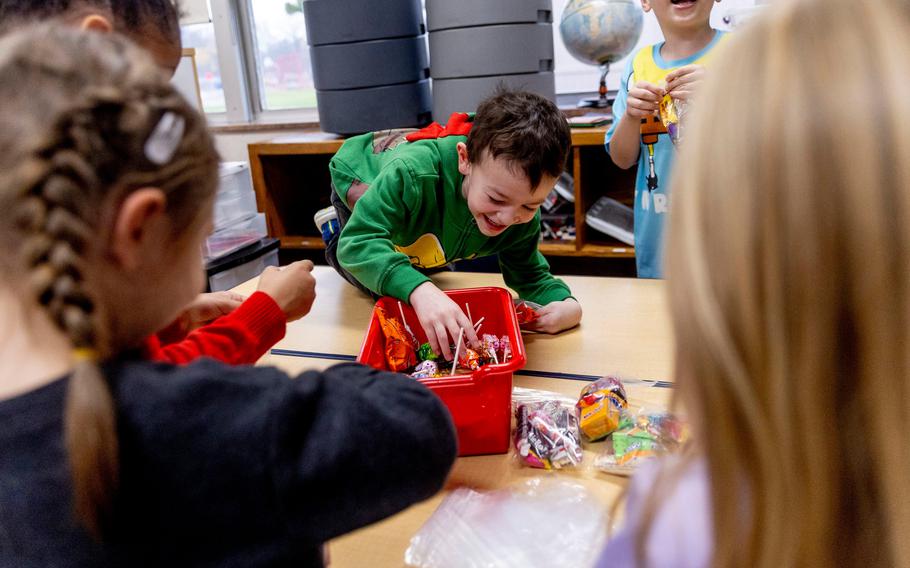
point(557, 316)
point(527, 272)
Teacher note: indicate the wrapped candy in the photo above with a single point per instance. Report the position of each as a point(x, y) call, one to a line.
point(506, 347)
point(526, 311)
point(546, 435)
point(399, 351)
point(470, 360)
point(425, 353)
point(600, 407)
point(425, 370)
point(490, 346)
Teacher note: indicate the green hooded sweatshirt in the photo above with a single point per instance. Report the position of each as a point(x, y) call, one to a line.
point(415, 216)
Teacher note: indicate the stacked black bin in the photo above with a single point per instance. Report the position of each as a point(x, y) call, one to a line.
point(476, 45)
point(369, 62)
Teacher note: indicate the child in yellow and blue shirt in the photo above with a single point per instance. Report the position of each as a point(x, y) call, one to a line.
point(671, 68)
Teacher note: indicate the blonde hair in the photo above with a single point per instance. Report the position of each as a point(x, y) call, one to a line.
point(789, 276)
point(78, 109)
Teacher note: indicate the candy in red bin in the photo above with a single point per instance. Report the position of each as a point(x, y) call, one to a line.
point(399, 350)
point(470, 360)
point(425, 370)
point(490, 345)
point(506, 347)
point(526, 311)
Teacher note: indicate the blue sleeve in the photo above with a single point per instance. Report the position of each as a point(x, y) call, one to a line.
point(619, 105)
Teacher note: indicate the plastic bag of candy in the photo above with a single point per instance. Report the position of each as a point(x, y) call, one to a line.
point(672, 112)
point(526, 311)
point(539, 523)
point(600, 407)
point(646, 434)
point(546, 431)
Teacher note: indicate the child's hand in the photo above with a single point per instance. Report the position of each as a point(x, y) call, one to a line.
point(292, 287)
point(441, 319)
point(557, 316)
point(685, 81)
point(643, 100)
point(208, 307)
point(204, 309)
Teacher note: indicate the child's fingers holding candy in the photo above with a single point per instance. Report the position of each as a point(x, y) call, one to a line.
point(441, 318)
point(293, 288)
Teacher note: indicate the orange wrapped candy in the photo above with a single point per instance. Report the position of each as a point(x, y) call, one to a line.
point(399, 350)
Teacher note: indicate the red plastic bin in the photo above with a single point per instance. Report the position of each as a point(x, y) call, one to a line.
point(480, 402)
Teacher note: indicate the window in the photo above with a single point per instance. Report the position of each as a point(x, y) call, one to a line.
point(282, 57)
point(202, 38)
point(252, 59)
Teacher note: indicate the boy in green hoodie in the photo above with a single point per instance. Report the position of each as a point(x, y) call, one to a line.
point(439, 195)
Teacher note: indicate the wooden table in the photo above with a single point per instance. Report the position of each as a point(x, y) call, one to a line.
point(625, 331)
point(625, 328)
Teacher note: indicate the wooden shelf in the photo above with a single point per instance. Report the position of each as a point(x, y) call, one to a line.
point(305, 243)
point(589, 137)
point(619, 250)
point(291, 179)
point(558, 248)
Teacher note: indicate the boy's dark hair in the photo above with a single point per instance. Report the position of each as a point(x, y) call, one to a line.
point(526, 129)
point(130, 16)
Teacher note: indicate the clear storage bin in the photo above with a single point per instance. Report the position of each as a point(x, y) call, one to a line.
point(235, 199)
point(238, 235)
point(242, 266)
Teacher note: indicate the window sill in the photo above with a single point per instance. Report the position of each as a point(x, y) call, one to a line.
point(302, 119)
point(308, 119)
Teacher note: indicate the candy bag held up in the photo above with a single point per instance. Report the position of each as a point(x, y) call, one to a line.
point(526, 311)
point(671, 115)
point(600, 407)
point(546, 434)
point(399, 351)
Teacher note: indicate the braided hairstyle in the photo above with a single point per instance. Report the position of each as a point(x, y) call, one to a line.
point(78, 110)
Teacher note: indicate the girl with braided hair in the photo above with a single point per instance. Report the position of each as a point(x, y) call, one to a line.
point(106, 192)
point(222, 325)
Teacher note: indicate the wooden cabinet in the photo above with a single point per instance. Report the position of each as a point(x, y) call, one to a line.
point(291, 179)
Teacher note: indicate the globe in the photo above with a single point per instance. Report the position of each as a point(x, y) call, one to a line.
point(601, 32)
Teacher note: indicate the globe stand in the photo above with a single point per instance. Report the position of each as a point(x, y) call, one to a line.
point(601, 101)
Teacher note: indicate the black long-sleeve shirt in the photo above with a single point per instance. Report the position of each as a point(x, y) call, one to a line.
point(224, 466)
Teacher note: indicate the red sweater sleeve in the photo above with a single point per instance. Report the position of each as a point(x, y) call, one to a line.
point(238, 338)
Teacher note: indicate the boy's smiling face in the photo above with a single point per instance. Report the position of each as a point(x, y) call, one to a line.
point(498, 195)
point(680, 13)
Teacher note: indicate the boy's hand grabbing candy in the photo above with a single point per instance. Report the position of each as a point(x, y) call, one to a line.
point(643, 99)
point(557, 316)
point(441, 318)
point(293, 288)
